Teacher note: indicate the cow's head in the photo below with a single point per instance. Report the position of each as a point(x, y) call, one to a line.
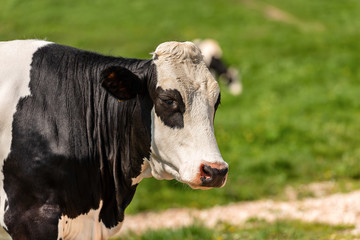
point(185, 98)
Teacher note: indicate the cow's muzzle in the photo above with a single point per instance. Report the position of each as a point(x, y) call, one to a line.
point(213, 175)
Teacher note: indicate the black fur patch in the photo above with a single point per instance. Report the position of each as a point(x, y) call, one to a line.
point(170, 107)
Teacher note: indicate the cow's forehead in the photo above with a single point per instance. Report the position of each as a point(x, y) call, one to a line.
point(180, 66)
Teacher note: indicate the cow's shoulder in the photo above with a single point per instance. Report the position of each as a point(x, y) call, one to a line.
point(15, 65)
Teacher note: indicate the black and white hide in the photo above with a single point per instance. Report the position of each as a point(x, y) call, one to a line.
point(80, 130)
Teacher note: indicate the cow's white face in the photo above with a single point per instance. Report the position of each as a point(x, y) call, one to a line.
point(186, 96)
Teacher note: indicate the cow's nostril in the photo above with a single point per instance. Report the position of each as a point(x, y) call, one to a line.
point(205, 173)
point(212, 176)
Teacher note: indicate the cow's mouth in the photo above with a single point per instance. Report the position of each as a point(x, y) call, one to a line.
point(201, 186)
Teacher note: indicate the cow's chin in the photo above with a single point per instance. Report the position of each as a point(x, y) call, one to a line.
point(194, 185)
point(164, 175)
point(167, 176)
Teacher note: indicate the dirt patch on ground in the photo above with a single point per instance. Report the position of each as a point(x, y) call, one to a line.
point(276, 14)
point(340, 208)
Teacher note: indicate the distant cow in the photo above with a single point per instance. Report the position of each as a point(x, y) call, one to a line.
point(212, 53)
point(79, 131)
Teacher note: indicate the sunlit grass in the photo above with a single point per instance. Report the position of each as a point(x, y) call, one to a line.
point(298, 118)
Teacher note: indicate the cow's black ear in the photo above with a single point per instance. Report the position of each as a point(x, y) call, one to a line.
point(120, 82)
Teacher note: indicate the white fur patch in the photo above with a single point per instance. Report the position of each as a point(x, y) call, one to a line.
point(15, 61)
point(145, 172)
point(85, 227)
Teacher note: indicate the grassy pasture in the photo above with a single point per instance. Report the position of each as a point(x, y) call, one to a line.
point(296, 122)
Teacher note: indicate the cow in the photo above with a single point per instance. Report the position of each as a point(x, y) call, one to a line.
point(212, 55)
point(80, 130)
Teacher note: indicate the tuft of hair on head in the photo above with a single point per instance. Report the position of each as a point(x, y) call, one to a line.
point(181, 51)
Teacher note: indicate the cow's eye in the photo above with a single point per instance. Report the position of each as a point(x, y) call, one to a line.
point(168, 101)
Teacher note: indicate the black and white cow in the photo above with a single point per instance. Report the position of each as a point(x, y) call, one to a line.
point(212, 55)
point(79, 131)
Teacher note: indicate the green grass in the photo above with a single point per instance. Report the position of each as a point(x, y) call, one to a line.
point(298, 118)
point(253, 230)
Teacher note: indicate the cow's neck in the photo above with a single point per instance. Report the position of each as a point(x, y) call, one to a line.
point(123, 140)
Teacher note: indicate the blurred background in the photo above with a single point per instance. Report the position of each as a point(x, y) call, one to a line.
point(297, 120)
